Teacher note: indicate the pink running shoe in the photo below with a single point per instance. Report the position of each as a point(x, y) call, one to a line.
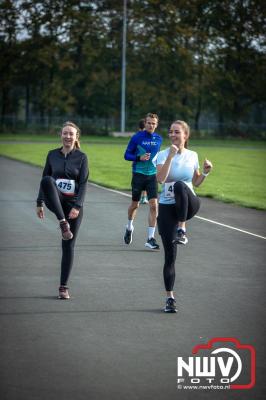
point(63, 293)
point(65, 229)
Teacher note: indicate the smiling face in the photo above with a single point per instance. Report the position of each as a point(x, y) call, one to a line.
point(69, 136)
point(178, 135)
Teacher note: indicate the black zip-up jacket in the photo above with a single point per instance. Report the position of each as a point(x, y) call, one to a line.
point(73, 165)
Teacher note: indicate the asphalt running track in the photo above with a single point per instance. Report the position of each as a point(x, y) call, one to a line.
point(111, 340)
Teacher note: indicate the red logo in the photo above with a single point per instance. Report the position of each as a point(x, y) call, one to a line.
point(222, 363)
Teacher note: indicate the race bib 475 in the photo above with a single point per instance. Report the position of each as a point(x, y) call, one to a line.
point(66, 186)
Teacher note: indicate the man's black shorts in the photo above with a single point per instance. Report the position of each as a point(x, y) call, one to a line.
point(142, 182)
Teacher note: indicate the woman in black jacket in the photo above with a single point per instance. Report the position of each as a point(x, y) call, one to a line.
point(62, 190)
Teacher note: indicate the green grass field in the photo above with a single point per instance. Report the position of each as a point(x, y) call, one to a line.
point(239, 173)
point(123, 140)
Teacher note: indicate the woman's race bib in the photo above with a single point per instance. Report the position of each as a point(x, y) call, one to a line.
point(66, 186)
point(169, 190)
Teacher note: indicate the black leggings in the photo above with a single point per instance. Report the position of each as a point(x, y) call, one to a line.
point(56, 202)
point(187, 205)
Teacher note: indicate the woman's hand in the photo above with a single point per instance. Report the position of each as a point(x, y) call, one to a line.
point(40, 212)
point(198, 177)
point(207, 166)
point(74, 213)
point(173, 150)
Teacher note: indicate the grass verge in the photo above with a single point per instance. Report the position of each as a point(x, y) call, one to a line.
point(238, 176)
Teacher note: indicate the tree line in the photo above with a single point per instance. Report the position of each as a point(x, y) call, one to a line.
point(186, 59)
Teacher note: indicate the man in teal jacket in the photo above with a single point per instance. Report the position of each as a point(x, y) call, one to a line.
point(142, 149)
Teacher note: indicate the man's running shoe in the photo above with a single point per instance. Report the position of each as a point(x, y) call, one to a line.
point(152, 244)
point(144, 200)
point(181, 237)
point(128, 236)
point(170, 305)
point(63, 293)
point(65, 230)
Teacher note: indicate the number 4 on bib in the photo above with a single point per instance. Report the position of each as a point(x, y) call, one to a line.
point(169, 189)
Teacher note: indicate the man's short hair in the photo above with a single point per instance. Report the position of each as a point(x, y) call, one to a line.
point(152, 115)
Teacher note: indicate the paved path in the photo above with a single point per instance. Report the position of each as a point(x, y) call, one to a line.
point(111, 341)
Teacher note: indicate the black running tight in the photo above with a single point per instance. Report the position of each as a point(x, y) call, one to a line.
point(58, 204)
point(187, 205)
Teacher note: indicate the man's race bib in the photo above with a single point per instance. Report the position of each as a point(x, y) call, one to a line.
point(66, 186)
point(169, 189)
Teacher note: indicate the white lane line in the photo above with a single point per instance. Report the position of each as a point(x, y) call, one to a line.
point(110, 190)
point(230, 227)
point(201, 218)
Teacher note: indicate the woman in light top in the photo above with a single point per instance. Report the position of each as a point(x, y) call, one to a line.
point(178, 171)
